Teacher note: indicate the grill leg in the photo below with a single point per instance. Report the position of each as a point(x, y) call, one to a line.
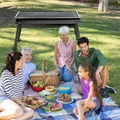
point(17, 37)
point(77, 32)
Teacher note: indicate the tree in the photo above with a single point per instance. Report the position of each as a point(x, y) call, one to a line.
point(103, 5)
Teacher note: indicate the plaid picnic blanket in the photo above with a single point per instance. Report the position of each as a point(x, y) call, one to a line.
point(110, 111)
point(106, 113)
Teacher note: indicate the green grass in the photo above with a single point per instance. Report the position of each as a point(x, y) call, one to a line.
point(103, 30)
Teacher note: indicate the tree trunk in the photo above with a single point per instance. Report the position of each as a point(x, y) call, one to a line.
point(89, 1)
point(105, 9)
point(103, 5)
point(82, 0)
point(100, 6)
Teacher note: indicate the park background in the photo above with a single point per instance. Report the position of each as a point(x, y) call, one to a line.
point(102, 29)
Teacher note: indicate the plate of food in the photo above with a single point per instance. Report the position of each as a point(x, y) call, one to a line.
point(50, 88)
point(54, 106)
point(64, 89)
point(50, 97)
point(64, 99)
point(33, 102)
point(37, 86)
point(44, 93)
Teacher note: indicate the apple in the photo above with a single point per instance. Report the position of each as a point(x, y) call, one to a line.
point(36, 84)
point(41, 83)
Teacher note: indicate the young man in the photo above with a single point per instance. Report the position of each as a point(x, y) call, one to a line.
point(95, 58)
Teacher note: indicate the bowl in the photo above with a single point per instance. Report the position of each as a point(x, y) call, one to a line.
point(64, 89)
point(37, 89)
point(49, 97)
point(50, 88)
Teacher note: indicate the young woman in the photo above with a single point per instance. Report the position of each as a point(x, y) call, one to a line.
point(92, 99)
point(64, 55)
point(11, 89)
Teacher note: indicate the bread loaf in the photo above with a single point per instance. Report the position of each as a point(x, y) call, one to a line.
point(67, 98)
point(64, 98)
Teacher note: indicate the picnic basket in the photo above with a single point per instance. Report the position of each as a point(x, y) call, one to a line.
point(49, 78)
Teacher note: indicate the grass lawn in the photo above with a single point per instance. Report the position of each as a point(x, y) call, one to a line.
point(103, 30)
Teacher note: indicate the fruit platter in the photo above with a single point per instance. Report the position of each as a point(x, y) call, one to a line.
point(33, 102)
point(52, 106)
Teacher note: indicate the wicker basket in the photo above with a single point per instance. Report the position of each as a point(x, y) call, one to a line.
point(49, 78)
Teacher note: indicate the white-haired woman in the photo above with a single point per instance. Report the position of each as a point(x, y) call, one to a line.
point(28, 67)
point(64, 54)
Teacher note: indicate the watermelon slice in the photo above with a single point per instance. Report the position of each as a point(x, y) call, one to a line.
point(56, 106)
point(48, 107)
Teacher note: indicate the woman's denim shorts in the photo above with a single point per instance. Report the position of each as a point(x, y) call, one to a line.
point(92, 112)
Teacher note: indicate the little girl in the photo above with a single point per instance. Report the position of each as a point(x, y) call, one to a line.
point(92, 99)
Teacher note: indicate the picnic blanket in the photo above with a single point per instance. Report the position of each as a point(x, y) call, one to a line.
point(110, 110)
point(106, 113)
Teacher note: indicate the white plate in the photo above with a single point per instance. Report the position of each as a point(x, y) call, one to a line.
point(45, 92)
point(65, 102)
